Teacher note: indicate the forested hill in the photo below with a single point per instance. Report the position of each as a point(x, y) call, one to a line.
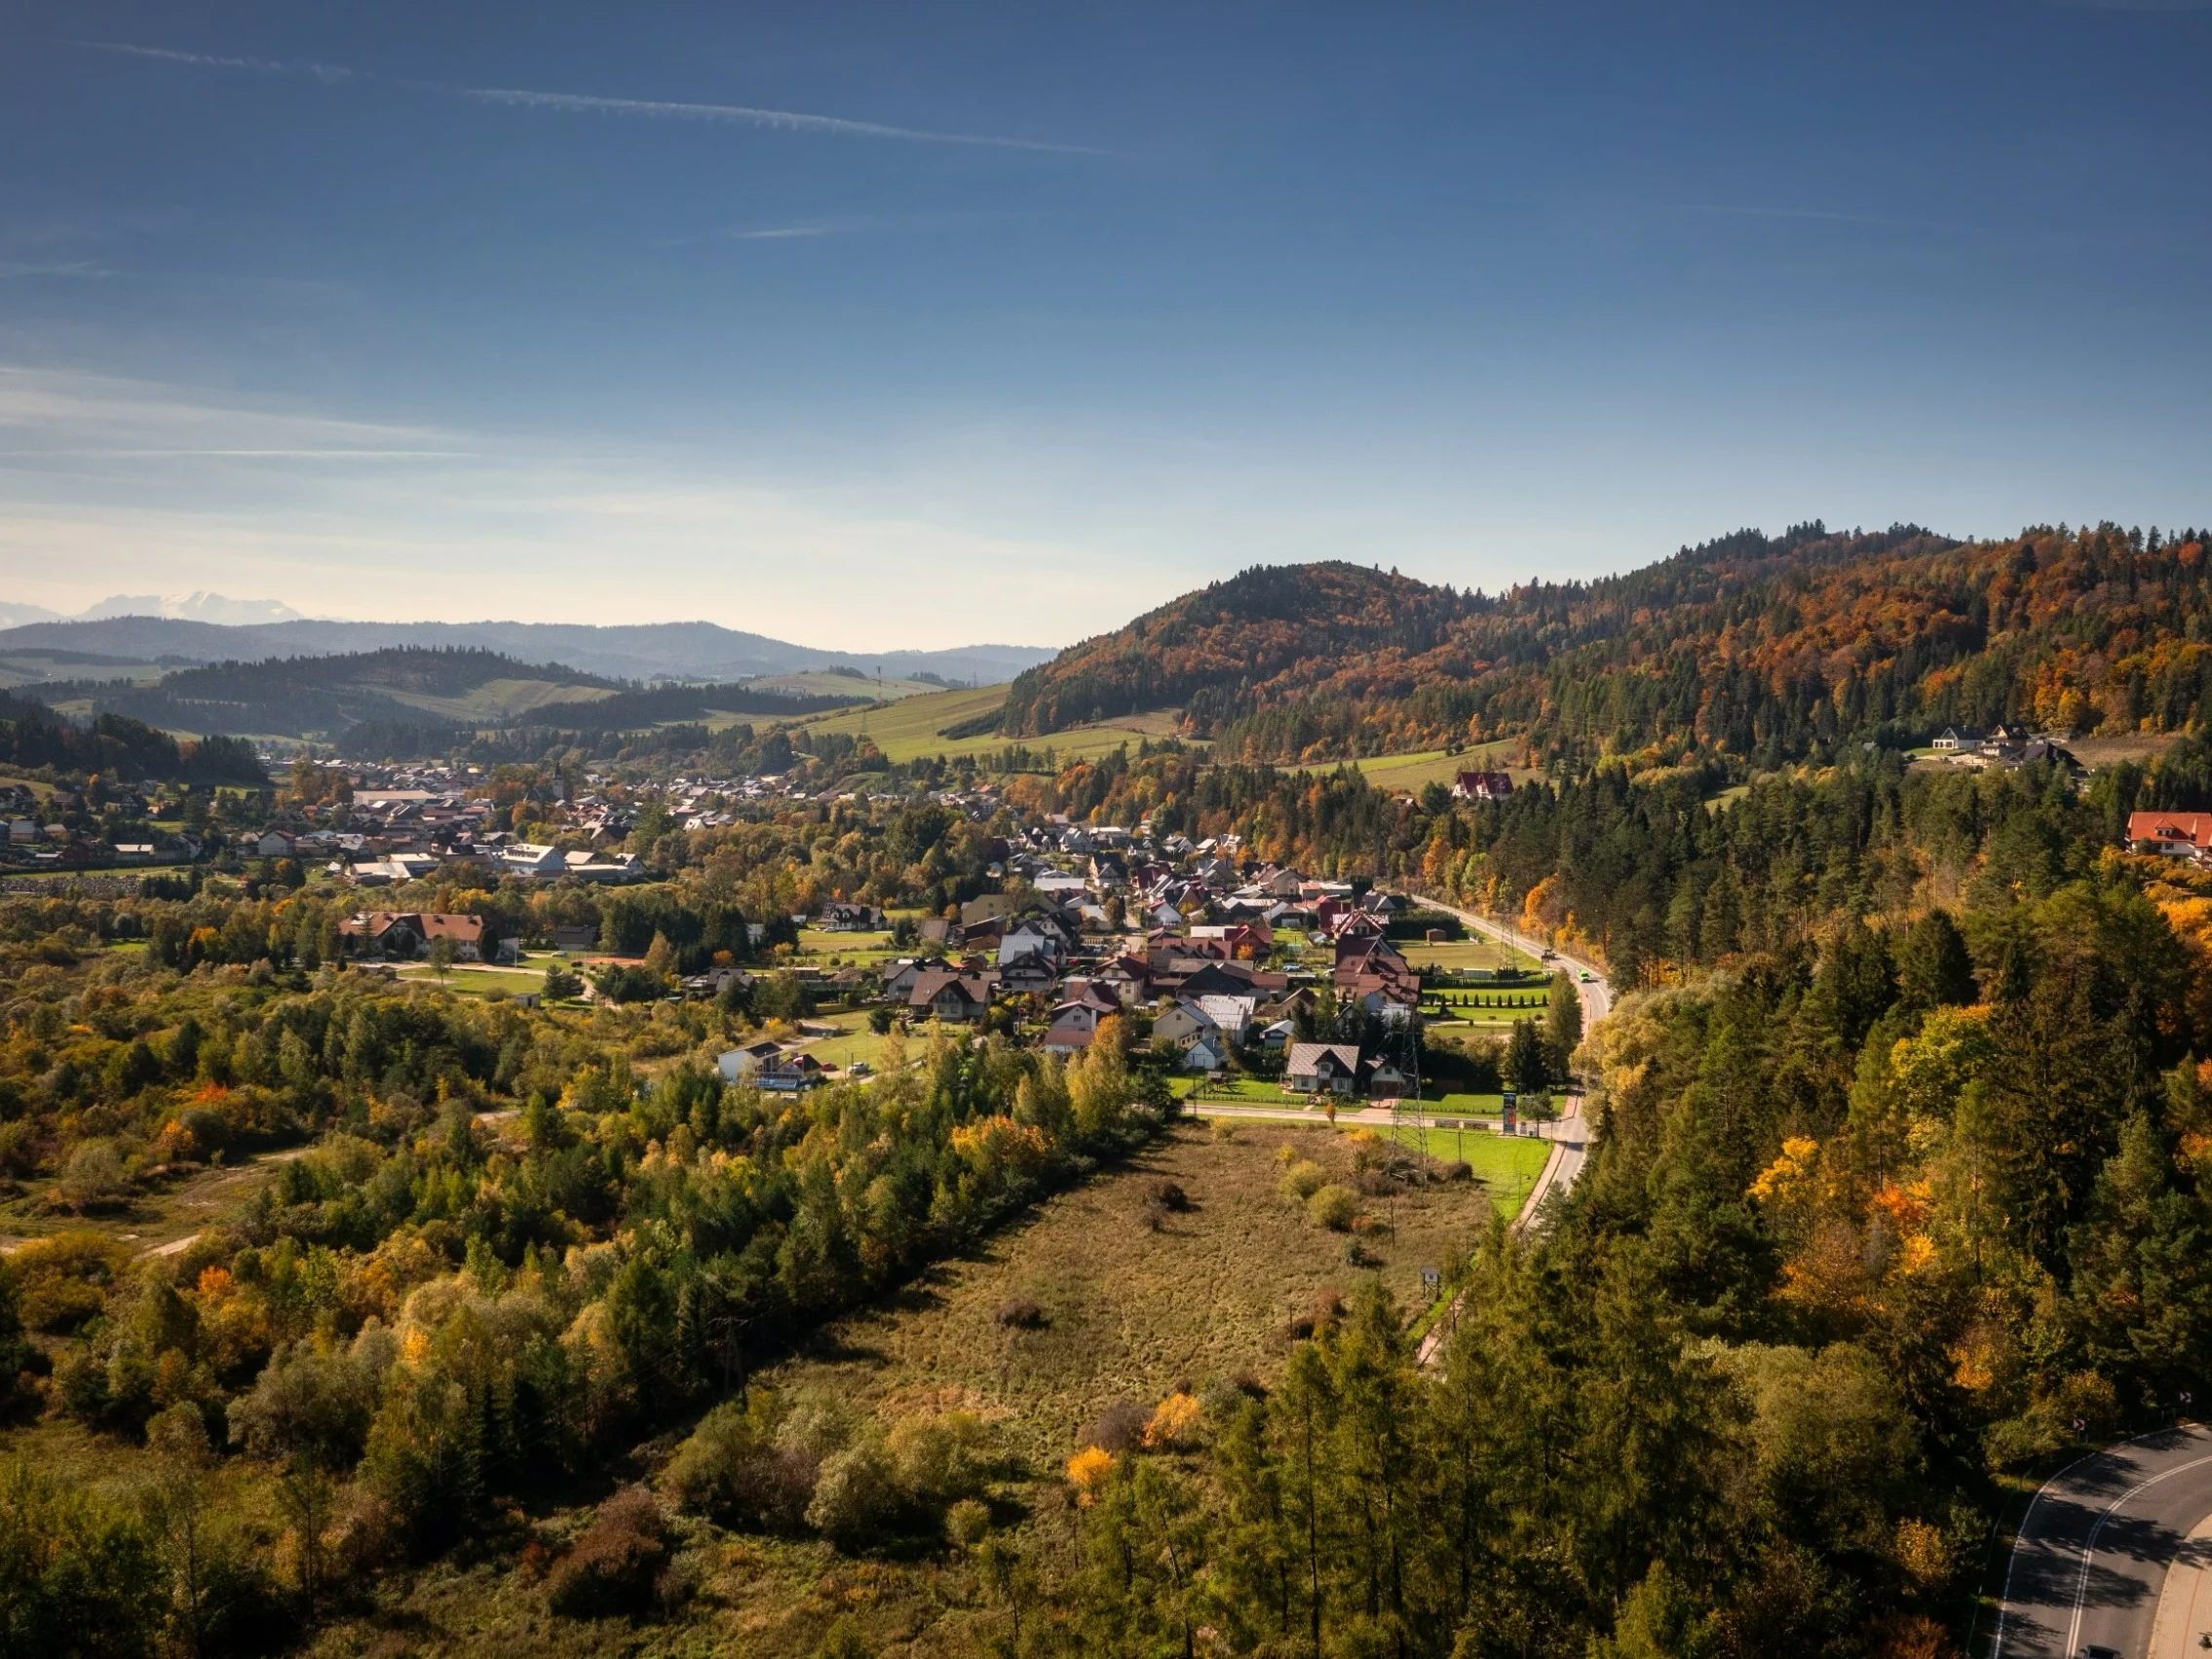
point(33, 737)
point(1761, 648)
point(438, 690)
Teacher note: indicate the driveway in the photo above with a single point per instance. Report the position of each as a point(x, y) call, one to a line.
point(2112, 1552)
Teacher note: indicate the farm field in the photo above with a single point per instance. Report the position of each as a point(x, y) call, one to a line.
point(911, 727)
point(1412, 772)
point(1128, 1312)
point(499, 699)
point(818, 682)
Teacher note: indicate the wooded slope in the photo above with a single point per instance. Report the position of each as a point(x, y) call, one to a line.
point(1761, 648)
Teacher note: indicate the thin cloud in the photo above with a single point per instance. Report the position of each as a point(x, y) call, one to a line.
point(324, 72)
point(785, 232)
point(653, 109)
point(738, 114)
point(10, 269)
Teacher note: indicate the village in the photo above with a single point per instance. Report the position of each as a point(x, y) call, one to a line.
point(1226, 969)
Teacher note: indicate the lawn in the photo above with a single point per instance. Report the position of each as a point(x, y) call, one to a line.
point(854, 1041)
point(1130, 1312)
point(1473, 954)
point(819, 944)
point(472, 980)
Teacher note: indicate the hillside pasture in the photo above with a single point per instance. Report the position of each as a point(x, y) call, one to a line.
point(1413, 772)
point(914, 727)
point(497, 700)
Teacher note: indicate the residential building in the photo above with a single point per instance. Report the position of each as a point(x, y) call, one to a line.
point(1321, 1068)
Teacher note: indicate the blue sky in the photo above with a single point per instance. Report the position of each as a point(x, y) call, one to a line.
point(902, 325)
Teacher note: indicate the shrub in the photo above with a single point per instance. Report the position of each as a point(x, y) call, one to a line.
point(730, 1468)
point(1174, 1422)
point(854, 1495)
point(62, 1281)
point(1169, 1197)
point(1326, 1309)
point(1119, 1427)
point(1333, 1207)
point(613, 1566)
point(1301, 1180)
point(815, 1425)
point(966, 1523)
point(94, 1178)
point(1087, 1471)
point(938, 1461)
point(1020, 1315)
point(307, 1403)
point(1457, 1170)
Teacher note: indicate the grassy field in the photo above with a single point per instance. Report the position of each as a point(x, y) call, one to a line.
point(1473, 954)
point(853, 1041)
point(473, 979)
point(1434, 765)
point(820, 683)
point(913, 727)
point(500, 699)
point(818, 946)
point(1130, 1313)
point(35, 667)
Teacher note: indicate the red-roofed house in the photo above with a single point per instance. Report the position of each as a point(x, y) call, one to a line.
point(2178, 835)
point(1482, 786)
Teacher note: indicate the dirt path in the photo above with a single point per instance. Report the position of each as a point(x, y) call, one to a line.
point(211, 1189)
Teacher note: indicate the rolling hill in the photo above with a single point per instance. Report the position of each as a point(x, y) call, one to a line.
point(1764, 648)
point(659, 651)
point(442, 691)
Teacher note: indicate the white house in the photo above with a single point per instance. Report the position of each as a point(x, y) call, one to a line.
point(1321, 1068)
point(1204, 1055)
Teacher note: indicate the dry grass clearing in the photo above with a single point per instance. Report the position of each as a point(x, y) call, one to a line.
point(1129, 1312)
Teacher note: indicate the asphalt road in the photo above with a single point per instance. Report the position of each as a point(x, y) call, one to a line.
point(2094, 1549)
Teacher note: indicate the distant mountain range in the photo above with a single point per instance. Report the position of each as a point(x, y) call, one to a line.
point(653, 650)
point(440, 694)
point(197, 607)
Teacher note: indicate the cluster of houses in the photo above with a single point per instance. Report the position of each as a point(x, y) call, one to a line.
point(2005, 746)
point(32, 841)
point(1194, 968)
point(403, 824)
point(1203, 990)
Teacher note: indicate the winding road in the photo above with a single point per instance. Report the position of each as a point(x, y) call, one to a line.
point(2114, 1553)
point(1568, 1135)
